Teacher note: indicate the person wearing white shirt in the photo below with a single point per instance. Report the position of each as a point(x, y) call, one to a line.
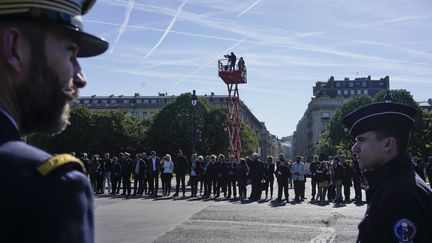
point(167, 171)
point(298, 170)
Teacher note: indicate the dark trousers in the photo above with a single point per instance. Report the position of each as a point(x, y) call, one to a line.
point(154, 182)
point(357, 189)
point(93, 181)
point(207, 187)
point(314, 185)
point(231, 184)
point(166, 188)
point(221, 185)
point(180, 178)
point(99, 184)
point(215, 185)
point(299, 190)
point(269, 184)
point(115, 182)
point(256, 189)
point(347, 191)
point(283, 186)
point(201, 183)
point(126, 185)
point(331, 192)
point(138, 184)
point(242, 187)
point(194, 185)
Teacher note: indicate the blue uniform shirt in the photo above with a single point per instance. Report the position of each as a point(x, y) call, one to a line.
point(43, 199)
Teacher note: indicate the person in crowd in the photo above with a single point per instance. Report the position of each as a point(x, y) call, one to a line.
point(323, 178)
point(256, 175)
point(399, 202)
point(420, 169)
point(167, 172)
point(331, 192)
point(208, 171)
point(201, 174)
point(347, 178)
point(116, 175)
point(429, 170)
point(269, 169)
point(338, 177)
point(126, 172)
point(195, 174)
point(282, 173)
point(312, 168)
point(153, 167)
point(357, 179)
point(94, 164)
point(241, 175)
point(146, 179)
point(232, 60)
point(180, 167)
point(220, 175)
point(232, 167)
point(86, 161)
point(99, 176)
point(298, 171)
point(107, 168)
point(139, 173)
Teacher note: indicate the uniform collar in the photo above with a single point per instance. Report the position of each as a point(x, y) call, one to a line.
point(8, 127)
point(389, 170)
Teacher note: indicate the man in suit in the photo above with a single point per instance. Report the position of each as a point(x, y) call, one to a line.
point(232, 167)
point(153, 167)
point(39, 79)
point(180, 168)
point(139, 171)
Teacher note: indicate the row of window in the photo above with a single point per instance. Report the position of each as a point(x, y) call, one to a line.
point(133, 101)
point(357, 84)
point(352, 92)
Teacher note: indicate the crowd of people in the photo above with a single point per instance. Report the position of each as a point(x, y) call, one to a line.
point(331, 178)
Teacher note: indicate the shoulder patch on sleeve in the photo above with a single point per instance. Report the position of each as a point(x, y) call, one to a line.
point(405, 230)
point(57, 161)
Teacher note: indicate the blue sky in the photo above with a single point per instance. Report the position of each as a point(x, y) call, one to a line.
point(173, 46)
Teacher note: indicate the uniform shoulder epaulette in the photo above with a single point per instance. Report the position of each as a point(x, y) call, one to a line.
point(58, 161)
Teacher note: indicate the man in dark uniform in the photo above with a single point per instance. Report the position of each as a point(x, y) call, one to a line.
point(153, 169)
point(399, 201)
point(48, 199)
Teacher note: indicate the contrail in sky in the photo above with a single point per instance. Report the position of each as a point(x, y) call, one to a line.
point(124, 24)
point(210, 62)
point(251, 6)
point(167, 30)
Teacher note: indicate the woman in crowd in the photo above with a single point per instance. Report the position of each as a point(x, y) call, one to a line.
point(269, 169)
point(167, 171)
point(94, 164)
point(195, 171)
point(323, 177)
point(201, 174)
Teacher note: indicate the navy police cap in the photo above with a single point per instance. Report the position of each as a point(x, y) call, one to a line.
point(64, 13)
point(378, 116)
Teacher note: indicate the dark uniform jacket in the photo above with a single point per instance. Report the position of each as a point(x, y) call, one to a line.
point(44, 199)
point(180, 165)
point(399, 205)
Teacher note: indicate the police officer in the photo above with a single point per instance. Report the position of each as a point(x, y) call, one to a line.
point(399, 201)
point(39, 79)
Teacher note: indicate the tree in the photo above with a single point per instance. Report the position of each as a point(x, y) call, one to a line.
point(109, 131)
point(402, 96)
point(337, 136)
point(249, 140)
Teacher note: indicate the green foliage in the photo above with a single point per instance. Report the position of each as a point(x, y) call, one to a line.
point(249, 140)
point(337, 135)
point(95, 133)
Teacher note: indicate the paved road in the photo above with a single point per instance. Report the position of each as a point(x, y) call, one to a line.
point(195, 220)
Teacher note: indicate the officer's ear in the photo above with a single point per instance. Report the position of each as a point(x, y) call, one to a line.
point(389, 144)
point(15, 47)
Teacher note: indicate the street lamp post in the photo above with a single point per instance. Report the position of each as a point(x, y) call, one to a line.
point(194, 102)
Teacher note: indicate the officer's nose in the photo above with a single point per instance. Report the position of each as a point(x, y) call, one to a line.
point(355, 148)
point(79, 79)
